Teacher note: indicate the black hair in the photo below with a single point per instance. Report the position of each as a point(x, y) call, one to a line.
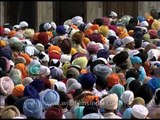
point(132, 73)
point(10, 99)
point(101, 82)
point(157, 97)
point(98, 21)
point(90, 108)
point(64, 99)
point(134, 86)
point(145, 92)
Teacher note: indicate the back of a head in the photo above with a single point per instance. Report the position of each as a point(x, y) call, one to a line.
point(134, 86)
point(54, 112)
point(145, 92)
point(132, 73)
point(139, 111)
point(98, 21)
point(157, 96)
point(109, 102)
point(90, 109)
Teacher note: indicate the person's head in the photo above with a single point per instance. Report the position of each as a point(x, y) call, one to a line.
point(139, 112)
point(10, 99)
point(91, 108)
point(127, 97)
point(54, 112)
point(136, 62)
point(32, 108)
point(64, 99)
point(132, 73)
point(138, 100)
point(157, 96)
point(134, 85)
point(9, 112)
point(101, 83)
point(145, 92)
point(77, 37)
point(122, 60)
point(113, 15)
point(117, 89)
point(128, 42)
point(109, 102)
point(23, 25)
point(112, 79)
point(87, 80)
point(130, 45)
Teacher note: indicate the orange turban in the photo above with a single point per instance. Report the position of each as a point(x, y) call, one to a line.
point(54, 48)
point(94, 27)
point(113, 79)
point(88, 32)
point(18, 90)
point(22, 68)
point(26, 56)
point(90, 98)
point(2, 43)
point(122, 32)
point(12, 33)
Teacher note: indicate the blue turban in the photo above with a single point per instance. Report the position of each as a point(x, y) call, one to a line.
point(135, 60)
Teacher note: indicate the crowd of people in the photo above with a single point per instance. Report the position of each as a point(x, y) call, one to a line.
point(107, 68)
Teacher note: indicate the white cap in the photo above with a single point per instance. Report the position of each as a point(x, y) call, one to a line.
point(144, 24)
point(53, 24)
point(47, 26)
point(6, 30)
point(127, 40)
point(139, 111)
point(16, 27)
point(76, 18)
point(113, 14)
point(111, 33)
point(23, 24)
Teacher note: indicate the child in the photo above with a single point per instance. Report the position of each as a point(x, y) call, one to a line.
point(137, 64)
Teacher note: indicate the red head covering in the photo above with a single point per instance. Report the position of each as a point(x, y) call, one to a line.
point(43, 38)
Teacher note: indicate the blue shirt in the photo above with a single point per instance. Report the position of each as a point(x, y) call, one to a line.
point(154, 83)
